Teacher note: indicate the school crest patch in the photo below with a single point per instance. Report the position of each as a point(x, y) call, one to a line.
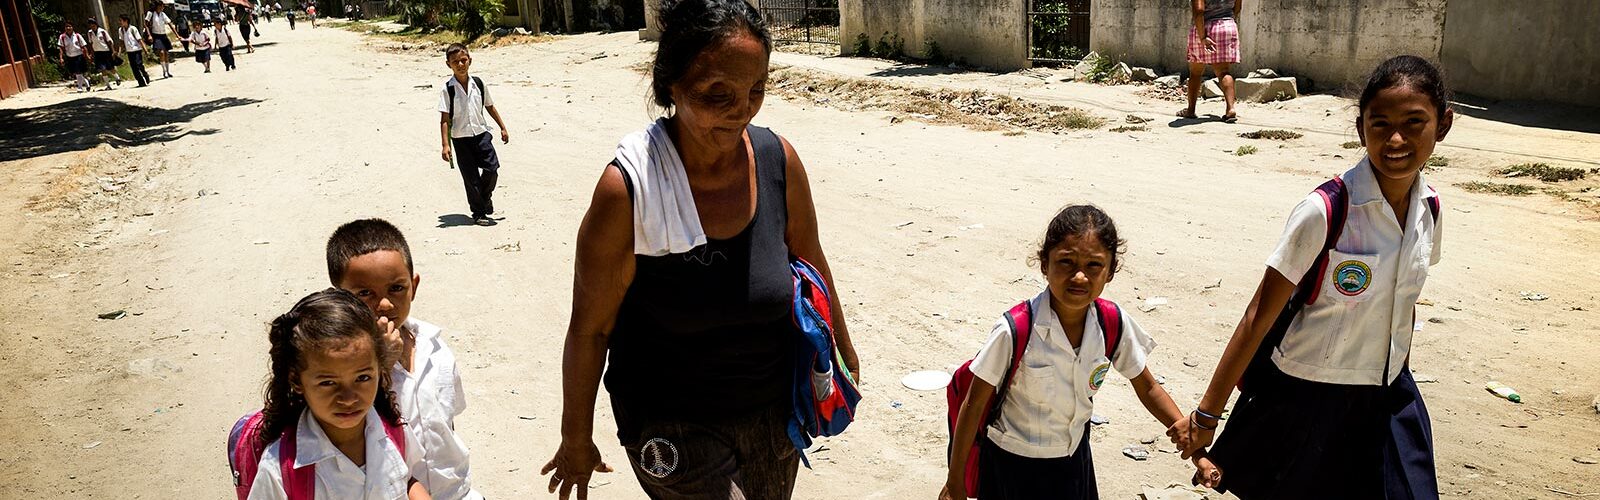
point(1352, 277)
point(1098, 376)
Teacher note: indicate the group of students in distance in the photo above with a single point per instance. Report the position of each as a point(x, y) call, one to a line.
point(1328, 408)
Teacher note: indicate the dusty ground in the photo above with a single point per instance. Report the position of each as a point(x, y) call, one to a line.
point(205, 214)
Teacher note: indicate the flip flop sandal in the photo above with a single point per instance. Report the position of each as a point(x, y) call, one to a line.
point(1230, 119)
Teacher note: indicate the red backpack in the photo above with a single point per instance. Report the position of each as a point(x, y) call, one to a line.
point(1020, 320)
point(244, 456)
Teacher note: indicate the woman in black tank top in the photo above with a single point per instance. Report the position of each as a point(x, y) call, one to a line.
point(700, 343)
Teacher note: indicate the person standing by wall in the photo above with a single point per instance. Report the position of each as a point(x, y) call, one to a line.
point(1213, 41)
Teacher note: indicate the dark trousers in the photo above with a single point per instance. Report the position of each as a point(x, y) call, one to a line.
point(744, 459)
point(226, 53)
point(136, 62)
point(480, 170)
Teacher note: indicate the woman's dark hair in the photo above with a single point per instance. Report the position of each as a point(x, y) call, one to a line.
point(688, 27)
point(1082, 220)
point(1410, 71)
point(322, 320)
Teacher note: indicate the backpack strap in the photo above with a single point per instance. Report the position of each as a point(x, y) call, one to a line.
point(1020, 320)
point(1433, 205)
point(298, 483)
point(1336, 199)
point(397, 435)
point(450, 91)
point(481, 91)
point(1110, 324)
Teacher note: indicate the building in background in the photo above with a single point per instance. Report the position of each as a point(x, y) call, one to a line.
point(23, 48)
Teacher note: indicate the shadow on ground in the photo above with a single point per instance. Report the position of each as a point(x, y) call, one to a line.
point(454, 220)
point(87, 122)
point(1567, 117)
point(915, 70)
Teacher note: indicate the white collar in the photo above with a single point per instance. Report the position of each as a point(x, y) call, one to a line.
point(1361, 184)
point(313, 446)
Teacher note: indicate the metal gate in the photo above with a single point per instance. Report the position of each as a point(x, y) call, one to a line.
point(802, 21)
point(1058, 31)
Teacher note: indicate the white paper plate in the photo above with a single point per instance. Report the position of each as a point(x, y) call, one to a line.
point(926, 380)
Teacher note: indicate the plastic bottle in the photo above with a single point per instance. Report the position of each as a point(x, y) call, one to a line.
point(1504, 391)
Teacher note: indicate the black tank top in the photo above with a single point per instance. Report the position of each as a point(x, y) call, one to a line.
point(705, 335)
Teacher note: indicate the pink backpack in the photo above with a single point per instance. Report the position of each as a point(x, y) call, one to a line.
point(1020, 319)
point(244, 456)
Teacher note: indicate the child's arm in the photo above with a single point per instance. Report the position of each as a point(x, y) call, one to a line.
point(967, 427)
point(1155, 398)
point(505, 137)
point(444, 136)
point(1206, 472)
point(415, 491)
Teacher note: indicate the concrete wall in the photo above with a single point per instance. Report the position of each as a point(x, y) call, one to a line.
point(984, 33)
point(1329, 41)
point(1536, 50)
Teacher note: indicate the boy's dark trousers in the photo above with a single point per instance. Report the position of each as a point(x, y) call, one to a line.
point(472, 155)
point(136, 62)
point(226, 52)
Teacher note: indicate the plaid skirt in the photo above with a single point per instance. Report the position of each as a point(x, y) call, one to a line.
point(1223, 32)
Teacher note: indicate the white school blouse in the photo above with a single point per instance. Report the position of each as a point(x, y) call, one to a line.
point(160, 24)
point(430, 398)
point(72, 45)
point(131, 41)
point(99, 40)
point(1365, 311)
point(223, 38)
point(384, 477)
point(1045, 409)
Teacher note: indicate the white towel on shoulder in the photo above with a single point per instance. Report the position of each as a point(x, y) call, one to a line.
point(664, 216)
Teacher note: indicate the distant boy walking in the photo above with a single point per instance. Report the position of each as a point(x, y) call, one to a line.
point(461, 125)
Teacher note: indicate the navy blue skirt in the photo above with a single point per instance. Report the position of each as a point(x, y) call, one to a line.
point(1294, 438)
point(1003, 475)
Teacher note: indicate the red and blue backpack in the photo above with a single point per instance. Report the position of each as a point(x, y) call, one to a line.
point(244, 456)
point(1336, 202)
point(824, 395)
point(1020, 320)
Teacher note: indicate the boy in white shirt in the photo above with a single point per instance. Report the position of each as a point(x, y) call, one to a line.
point(370, 258)
point(105, 59)
point(133, 45)
point(224, 43)
point(462, 104)
point(71, 46)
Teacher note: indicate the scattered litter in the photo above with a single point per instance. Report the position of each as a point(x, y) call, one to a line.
point(970, 227)
point(1191, 363)
point(511, 247)
point(1504, 391)
point(1453, 308)
point(903, 224)
point(1597, 404)
point(152, 367)
point(1581, 460)
point(598, 484)
point(1436, 321)
point(260, 242)
point(926, 380)
point(1097, 419)
point(1532, 296)
point(93, 445)
point(1148, 440)
point(1152, 303)
point(525, 417)
point(1171, 492)
point(1161, 380)
point(1217, 284)
point(896, 404)
point(204, 193)
point(114, 315)
point(1571, 494)
point(59, 276)
point(1424, 379)
point(453, 251)
point(1425, 302)
point(1136, 452)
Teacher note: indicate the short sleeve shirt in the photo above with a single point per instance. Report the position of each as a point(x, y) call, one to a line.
point(1050, 398)
point(72, 44)
point(1365, 310)
point(131, 41)
point(468, 119)
point(160, 24)
point(99, 40)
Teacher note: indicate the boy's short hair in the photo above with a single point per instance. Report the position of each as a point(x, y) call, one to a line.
point(454, 48)
point(361, 237)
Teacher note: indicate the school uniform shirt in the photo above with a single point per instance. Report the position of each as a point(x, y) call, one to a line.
point(72, 44)
point(223, 38)
point(469, 119)
point(99, 40)
point(384, 477)
point(131, 41)
point(430, 398)
point(1049, 400)
point(1365, 311)
point(159, 23)
point(200, 40)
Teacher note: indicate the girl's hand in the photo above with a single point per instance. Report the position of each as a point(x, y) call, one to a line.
point(1210, 45)
point(953, 491)
point(1206, 473)
point(391, 335)
point(573, 464)
point(1189, 437)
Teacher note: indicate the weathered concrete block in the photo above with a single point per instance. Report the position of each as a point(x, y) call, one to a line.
point(1169, 81)
point(1121, 74)
point(1085, 65)
point(1265, 89)
point(1263, 73)
point(1143, 74)
point(1211, 89)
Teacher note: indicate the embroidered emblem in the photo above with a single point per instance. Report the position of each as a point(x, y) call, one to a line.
point(658, 458)
point(1098, 376)
point(1352, 277)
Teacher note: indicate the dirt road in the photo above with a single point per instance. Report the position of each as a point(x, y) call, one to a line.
point(206, 213)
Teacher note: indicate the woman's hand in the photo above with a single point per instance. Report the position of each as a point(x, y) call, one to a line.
point(953, 491)
point(573, 464)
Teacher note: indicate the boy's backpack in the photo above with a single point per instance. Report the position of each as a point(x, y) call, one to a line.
point(451, 90)
point(244, 456)
point(825, 394)
point(1020, 321)
point(1336, 200)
